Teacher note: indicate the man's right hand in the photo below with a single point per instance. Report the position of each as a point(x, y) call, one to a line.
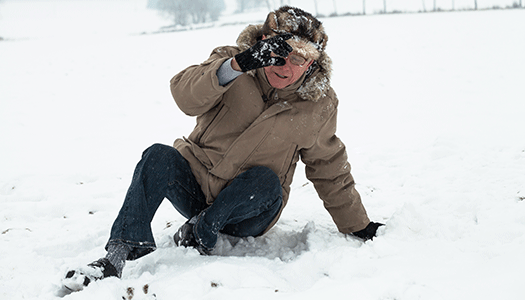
point(259, 55)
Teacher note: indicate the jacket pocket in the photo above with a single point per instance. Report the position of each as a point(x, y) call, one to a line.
point(288, 162)
point(212, 124)
point(239, 156)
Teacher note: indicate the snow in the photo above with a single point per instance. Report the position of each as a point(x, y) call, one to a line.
point(431, 111)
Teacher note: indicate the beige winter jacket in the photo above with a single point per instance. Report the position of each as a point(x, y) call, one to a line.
point(248, 123)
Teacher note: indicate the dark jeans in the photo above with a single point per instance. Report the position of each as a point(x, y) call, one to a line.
point(246, 207)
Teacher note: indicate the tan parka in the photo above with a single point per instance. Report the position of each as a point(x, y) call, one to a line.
point(249, 123)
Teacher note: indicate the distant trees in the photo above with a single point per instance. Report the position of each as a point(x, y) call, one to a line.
point(246, 5)
point(184, 12)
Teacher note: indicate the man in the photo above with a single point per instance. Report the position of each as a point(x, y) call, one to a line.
point(260, 107)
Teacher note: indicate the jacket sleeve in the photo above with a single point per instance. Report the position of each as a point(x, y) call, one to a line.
point(196, 89)
point(328, 169)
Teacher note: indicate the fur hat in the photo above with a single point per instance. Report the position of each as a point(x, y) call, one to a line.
point(309, 37)
point(309, 33)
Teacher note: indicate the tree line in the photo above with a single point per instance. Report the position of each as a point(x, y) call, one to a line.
point(515, 4)
point(185, 12)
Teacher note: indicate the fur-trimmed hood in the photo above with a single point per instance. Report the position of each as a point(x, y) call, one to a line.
point(317, 81)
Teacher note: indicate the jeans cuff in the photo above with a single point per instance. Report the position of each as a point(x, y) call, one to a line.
point(138, 249)
point(203, 233)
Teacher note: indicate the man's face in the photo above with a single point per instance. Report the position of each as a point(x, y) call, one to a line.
point(280, 77)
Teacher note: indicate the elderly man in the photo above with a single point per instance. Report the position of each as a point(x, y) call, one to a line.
point(260, 107)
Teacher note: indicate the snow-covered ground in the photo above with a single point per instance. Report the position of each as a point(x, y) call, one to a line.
point(432, 110)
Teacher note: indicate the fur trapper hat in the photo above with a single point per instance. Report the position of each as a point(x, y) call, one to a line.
point(309, 40)
point(309, 36)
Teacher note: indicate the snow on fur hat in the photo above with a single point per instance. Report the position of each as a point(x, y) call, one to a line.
point(309, 37)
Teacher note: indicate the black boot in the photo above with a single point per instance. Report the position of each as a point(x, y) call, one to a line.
point(76, 280)
point(185, 237)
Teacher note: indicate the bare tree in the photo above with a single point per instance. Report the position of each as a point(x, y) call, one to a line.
point(364, 7)
point(241, 6)
point(184, 12)
point(335, 9)
point(176, 9)
point(215, 9)
point(198, 11)
point(315, 6)
point(476, 4)
point(384, 6)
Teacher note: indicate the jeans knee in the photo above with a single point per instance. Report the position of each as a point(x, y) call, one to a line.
point(159, 156)
point(155, 148)
point(265, 176)
point(157, 151)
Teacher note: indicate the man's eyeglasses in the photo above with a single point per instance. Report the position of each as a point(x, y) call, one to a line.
point(294, 59)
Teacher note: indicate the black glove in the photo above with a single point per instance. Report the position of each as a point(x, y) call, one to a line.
point(369, 232)
point(258, 55)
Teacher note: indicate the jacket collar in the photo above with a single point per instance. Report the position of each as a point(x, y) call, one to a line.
point(314, 84)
